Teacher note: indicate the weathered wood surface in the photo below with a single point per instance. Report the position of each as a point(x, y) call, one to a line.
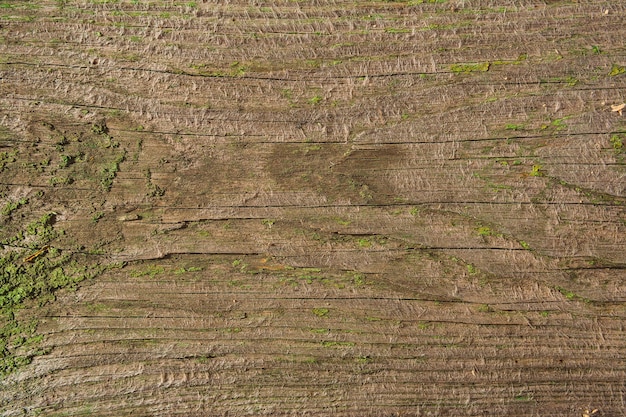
point(371, 208)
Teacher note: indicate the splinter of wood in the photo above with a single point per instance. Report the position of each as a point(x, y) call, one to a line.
point(37, 254)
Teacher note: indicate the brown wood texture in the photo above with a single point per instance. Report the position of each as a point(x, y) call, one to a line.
point(322, 207)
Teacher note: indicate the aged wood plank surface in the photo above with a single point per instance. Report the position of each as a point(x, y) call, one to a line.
point(313, 207)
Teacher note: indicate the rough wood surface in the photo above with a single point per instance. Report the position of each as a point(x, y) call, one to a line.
point(321, 208)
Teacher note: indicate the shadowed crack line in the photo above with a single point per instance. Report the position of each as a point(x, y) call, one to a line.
point(309, 76)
